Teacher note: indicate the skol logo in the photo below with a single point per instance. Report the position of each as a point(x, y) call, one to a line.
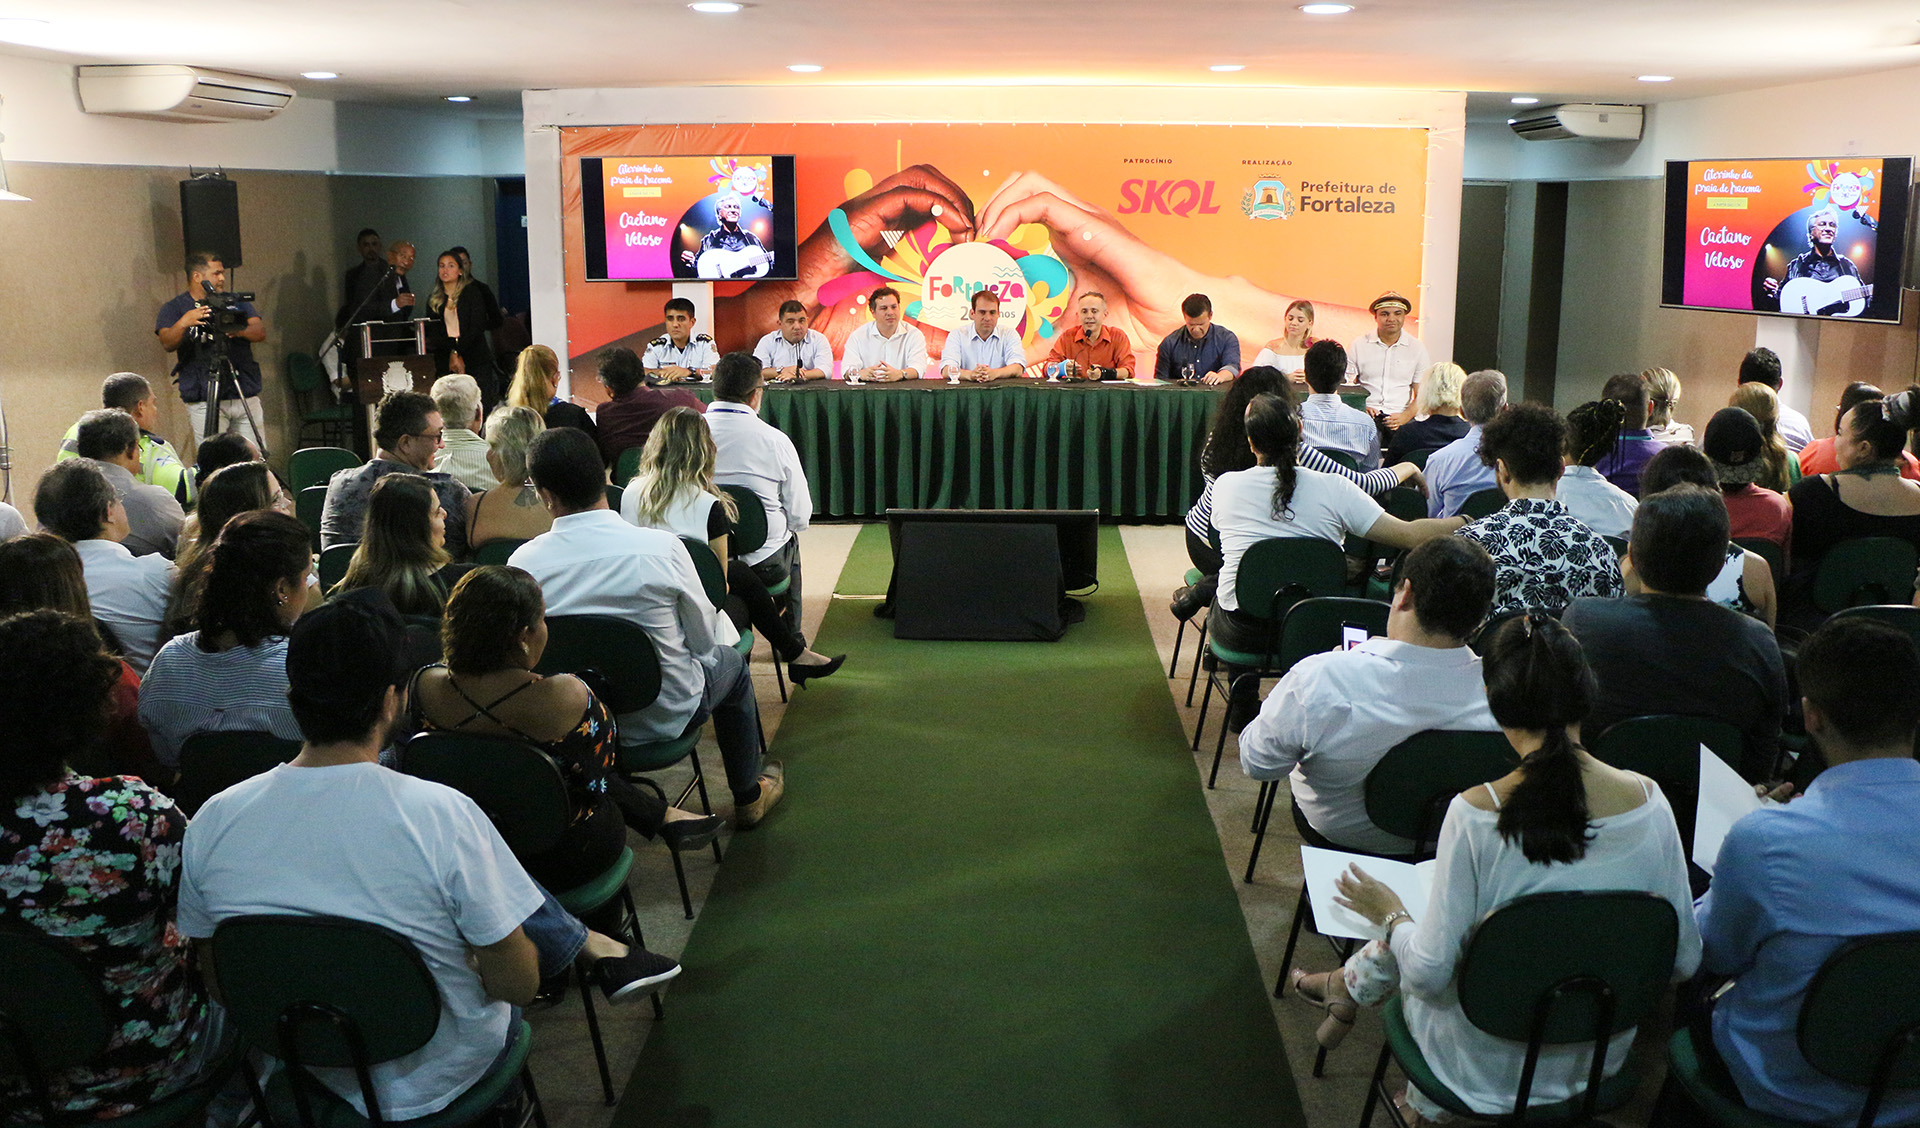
point(1168, 197)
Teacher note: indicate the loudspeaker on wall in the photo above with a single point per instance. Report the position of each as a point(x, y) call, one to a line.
point(210, 217)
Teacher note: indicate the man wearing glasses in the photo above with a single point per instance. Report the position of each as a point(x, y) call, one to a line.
point(406, 435)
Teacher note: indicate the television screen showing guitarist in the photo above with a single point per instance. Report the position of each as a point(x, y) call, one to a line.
point(1821, 282)
point(729, 250)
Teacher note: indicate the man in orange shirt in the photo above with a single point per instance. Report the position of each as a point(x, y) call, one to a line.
point(1095, 352)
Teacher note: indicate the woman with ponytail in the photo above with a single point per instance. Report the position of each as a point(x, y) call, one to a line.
point(1866, 497)
point(1278, 497)
point(231, 672)
point(1561, 821)
point(1593, 429)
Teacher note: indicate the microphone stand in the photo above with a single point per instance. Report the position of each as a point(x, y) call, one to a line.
point(334, 339)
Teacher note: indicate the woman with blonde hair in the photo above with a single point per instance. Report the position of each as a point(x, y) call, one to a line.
point(1437, 410)
point(674, 491)
point(1288, 351)
point(467, 317)
point(405, 547)
point(1759, 401)
point(1663, 388)
point(512, 509)
point(535, 380)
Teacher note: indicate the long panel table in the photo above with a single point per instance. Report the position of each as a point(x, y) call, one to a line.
point(1131, 451)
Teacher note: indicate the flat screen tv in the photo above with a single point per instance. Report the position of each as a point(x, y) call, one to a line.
point(684, 219)
point(1797, 237)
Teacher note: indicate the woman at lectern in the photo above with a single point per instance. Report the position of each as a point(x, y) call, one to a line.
point(467, 316)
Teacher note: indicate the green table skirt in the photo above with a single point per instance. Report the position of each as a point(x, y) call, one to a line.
point(1130, 451)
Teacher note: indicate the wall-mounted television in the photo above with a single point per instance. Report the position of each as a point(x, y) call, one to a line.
point(1799, 237)
point(683, 219)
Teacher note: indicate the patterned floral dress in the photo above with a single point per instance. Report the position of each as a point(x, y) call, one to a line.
point(1543, 557)
point(96, 862)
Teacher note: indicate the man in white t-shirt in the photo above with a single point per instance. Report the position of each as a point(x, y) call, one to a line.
point(679, 355)
point(76, 502)
point(1389, 361)
point(1334, 715)
point(885, 349)
point(793, 353)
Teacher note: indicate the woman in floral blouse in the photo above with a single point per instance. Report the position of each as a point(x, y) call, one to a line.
point(96, 863)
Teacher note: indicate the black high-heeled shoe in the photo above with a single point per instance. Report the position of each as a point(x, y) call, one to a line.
point(800, 675)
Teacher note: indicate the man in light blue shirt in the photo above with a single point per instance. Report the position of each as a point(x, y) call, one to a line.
point(1455, 472)
point(978, 353)
point(1328, 423)
point(1794, 883)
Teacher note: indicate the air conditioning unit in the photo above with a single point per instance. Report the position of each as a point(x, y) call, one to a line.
point(169, 92)
point(1579, 121)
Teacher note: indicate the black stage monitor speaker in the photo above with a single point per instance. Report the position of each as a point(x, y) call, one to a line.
point(210, 217)
point(989, 574)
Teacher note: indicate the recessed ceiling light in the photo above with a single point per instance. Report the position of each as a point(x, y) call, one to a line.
point(715, 7)
point(1656, 78)
point(1524, 100)
point(1326, 9)
point(804, 68)
point(318, 76)
point(1227, 68)
point(459, 97)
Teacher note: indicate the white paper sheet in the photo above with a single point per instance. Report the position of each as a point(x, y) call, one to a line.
point(1725, 799)
point(1322, 867)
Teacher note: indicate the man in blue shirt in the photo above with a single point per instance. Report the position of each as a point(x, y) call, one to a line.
point(183, 328)
point(979, 353)
point(1328, 423)
point(1455, 472)
point(1199, 350)
point(1793, 883)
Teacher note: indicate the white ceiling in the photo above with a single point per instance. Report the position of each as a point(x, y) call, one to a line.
point(1558, 50)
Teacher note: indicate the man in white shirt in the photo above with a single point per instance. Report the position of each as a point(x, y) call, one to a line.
point(793, 352)
point(1325, 420)
point(594, 563)
point(1455, 472)
point(11, 523)
point(884, 349)
point(110, 439)
point(74, 501)
point(463, 455)
point(1388, 361)
point(1763, 365)
point(978, 352)
point(1334, 715)
point(753, 453)
point(681, 355)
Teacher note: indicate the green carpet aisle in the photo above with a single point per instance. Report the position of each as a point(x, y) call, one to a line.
point(993, 896)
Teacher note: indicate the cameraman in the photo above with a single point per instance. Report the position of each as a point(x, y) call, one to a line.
point(183, 328)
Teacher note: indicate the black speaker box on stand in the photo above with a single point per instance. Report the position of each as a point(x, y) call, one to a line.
point(210, 217)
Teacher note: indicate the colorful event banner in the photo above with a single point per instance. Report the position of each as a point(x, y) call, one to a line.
point(661, 218)
point(1252, 216)
point(1798, 236)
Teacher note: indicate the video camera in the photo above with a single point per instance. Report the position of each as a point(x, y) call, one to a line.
point(227, 316)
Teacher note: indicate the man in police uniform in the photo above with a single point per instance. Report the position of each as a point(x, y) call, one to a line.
point(680, 356)
point(160, 464)
point(729, 250)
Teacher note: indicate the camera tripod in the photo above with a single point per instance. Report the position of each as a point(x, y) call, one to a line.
point(223, 385)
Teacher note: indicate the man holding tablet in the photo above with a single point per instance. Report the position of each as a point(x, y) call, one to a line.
point(884, 349)
point(793, 352)
point(980, 354)
point(680, 356)
point(1096, 352)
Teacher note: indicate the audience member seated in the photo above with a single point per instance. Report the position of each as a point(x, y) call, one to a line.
point(1325, 422)
point(1593, 429)
point(512, 509)
point(1737, 449)
point(593, 563)
point(41, 572)
point(111, 441)
point(1437, 410)
point(404, 552)
point(463, 453)
point(494, 634)
point(160, 464)
point(1279, 498)
point(230, 672)
point(11, 523)
point(750, 452)
point(627, 419)
point(1334, 715)
point(1455, 471)
point(674, 491)
point(1762, 366)
point(334, 833)
point(221, 450)
point(1669, 648)
point(1795, 882)
point(1226, 450)
point(1542, 556)
point(1745, 582)
point(536, 379)
point(1817, 456)
point(1563, 821)
point(1866, 497)
point(231, 491)
point(1636, 443)
point(75, 502)
point(406, 435)
point(93, 863)
point(1780, 468)
point(1663, 392)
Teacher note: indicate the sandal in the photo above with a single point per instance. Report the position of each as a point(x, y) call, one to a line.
point(1314, 989)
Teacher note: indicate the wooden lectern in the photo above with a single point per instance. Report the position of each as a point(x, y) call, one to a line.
point(390, 356)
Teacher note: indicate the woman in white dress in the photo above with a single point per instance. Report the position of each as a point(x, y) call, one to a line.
point(1288, 351)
